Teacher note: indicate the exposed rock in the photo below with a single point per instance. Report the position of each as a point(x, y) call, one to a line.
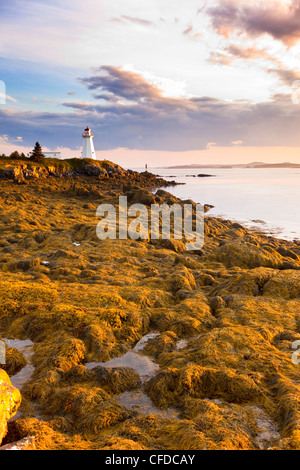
point(92, 170)
point(175, 245)
point(140, 196)
point(14, 361)
point(70, 168)
point(116, 379)
point(10, 400)
point(217, 303)
point(27, 443)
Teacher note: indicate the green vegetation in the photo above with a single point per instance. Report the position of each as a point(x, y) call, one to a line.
point(59, 164)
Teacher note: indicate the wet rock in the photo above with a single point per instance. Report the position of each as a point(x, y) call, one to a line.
point(251, 282)
point(14, 361)
point(200, 382)
point(140, 196)
point(175, 245)
point(92, 170)
point(167, 198)
point(217, 303)
point(166, 342)
point(204, 279)
point(288, 253)
point(10, 400)
point(116, 380)
point(27, 263)
point(27, 443)
point(247, 256)
point(285, 284)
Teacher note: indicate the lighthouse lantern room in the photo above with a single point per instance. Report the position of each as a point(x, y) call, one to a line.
point(88, 150)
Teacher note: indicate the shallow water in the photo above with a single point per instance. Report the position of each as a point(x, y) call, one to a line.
point(265, 199)
point(143, 365)
point(139, 401)
point(26, 347)
point(268, 433)
point(146, 368)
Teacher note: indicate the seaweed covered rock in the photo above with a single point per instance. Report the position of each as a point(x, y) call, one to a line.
point(116, 379)
point(246, 255)
point(170, 387)
point(14, 361)
point(285, 284)
point(225, 319)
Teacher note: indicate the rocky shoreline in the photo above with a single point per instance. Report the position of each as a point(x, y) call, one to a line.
point(26, 170)
point(225, 318)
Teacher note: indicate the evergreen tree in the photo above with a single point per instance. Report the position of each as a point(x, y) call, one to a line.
point(37, 153)
point(15, 155)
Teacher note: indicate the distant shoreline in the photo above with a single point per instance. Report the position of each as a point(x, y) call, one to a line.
point(246, 165)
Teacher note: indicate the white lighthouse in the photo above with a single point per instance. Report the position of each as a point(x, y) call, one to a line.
point(88, 150)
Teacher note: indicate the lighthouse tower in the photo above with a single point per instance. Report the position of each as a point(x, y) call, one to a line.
point(88, 150)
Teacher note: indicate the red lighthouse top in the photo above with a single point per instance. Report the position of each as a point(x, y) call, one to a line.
point(87, 133)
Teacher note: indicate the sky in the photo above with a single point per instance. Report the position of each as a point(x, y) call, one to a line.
point(160, 82)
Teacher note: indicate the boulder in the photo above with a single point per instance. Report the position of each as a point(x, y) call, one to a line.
point(92, 170)
point(140, 196)
point(10, 400)
point(12, 173)
point(27, 443)
point(170, 244)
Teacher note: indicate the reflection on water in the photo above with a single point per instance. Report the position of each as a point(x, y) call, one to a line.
point(268, 196)
point(139, 401)
point(146, 368)
point(143, 365)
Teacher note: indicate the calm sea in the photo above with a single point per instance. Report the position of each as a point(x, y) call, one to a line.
point(266, 199)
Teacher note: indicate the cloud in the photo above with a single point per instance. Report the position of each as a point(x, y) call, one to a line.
point(286, 76)
point(44, 100)
point(275, 18)
point(140, 117)
point(235, 52)
point(9, 144)
point(77, 105)
point(116, 82)
point(140, 21)
point(189, 31)
point(131, 19)
point(210, 145)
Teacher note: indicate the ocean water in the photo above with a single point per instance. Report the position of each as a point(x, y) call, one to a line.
point(264, 199)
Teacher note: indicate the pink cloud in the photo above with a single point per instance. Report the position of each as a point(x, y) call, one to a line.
point(281, 21)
